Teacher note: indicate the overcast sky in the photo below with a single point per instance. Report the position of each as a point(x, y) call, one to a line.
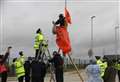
point(21, 18)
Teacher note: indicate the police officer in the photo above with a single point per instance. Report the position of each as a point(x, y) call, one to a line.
point(102, 65)
point(19, 68)
point(58, 64)
point(98, 58)
point(22, 58)
point(38, 42)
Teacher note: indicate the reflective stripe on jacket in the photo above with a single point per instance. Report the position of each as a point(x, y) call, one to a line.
point(38, 39)
point(19, 67)
point(102, 66)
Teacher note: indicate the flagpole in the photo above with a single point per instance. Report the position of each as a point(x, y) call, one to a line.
point(75, 67)
point(70, 56)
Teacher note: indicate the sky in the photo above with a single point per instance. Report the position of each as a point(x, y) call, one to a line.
point(21, 18)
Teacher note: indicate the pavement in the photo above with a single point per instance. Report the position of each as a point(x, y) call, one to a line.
point(68, 77)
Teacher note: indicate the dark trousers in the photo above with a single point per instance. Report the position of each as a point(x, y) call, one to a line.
point(38, 54)
point(35, 79)
point(119, 75)
point(4, 77)
point(27, 78)
point(20, 79)
point(59, 75)
point(42, 79)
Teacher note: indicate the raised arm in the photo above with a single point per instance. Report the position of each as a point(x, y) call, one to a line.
point(54, 28)
point(6, 54)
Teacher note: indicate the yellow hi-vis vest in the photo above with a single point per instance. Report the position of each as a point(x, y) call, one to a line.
point(99, 62)
point(22, 59)
point(38, 39)
point(19, 68)
point(117, 66)
point(103, 67)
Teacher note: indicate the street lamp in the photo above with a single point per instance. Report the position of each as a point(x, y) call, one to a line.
point(116, 39)
point(90, 51)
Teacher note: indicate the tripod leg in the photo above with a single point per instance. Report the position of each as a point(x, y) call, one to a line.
point(75, 67)
point(52, 74)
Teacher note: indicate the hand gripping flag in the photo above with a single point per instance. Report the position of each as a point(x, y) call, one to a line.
point(62, 39)
point(67, 16)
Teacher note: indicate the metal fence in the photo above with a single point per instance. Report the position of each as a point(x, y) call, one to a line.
point(81, 64)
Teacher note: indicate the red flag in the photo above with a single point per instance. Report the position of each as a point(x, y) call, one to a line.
point(67, 16)
point(62, 39)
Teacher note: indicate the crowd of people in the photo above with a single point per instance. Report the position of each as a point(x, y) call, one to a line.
point(30, 69)
point(34, 70)
point(103, 70)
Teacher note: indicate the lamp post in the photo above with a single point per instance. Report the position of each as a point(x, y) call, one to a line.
point(116, 39)
point(90, 51)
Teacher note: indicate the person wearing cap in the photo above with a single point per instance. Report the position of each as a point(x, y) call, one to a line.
point(22, 58)
point(38, 42)
point(19, 69)
point(3, 67)
point(93, 72)
point(102, 65)
point(58, 62)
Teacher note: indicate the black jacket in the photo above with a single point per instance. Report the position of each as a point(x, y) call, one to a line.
point(38, 69)
point(57, 61)
point(110, 74)
point(27, 67)
point(4, 58)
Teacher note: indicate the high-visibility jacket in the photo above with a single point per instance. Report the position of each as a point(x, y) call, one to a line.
point(38, 39)
point(22, 59)
point(102, 66)
point(99, 62)
point(19, 68)
point(117, 66)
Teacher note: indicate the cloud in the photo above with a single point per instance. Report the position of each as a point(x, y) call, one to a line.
point(22, 18)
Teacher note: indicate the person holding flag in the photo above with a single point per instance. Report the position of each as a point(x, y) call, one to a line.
point(62, 36)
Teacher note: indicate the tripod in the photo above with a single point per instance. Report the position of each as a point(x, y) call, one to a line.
point(43, 48)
